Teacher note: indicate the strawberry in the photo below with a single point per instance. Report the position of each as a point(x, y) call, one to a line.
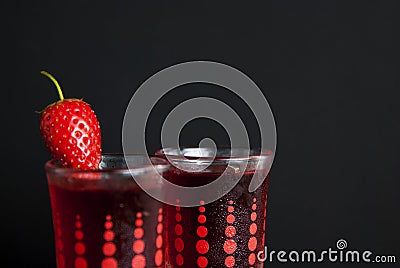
point(71, 132)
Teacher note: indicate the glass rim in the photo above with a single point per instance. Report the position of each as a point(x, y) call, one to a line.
point(177, 154)
point(157, 163)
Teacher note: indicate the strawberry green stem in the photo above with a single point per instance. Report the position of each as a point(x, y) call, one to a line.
point(55, 83)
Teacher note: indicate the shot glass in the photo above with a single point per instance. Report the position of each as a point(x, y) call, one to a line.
point(102, 218)
point(227, 232)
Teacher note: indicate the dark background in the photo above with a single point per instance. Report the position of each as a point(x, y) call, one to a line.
point(328, 69)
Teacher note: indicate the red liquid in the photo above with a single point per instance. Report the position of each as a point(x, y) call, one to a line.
point(226, 233)
point(108, 226)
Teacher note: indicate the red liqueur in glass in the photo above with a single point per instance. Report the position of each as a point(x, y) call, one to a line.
point(104, 219)
point(228, 232)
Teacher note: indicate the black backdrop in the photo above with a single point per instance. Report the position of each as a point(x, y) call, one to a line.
point(328, 69)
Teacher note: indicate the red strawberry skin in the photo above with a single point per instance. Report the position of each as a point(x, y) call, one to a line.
point(71, 132)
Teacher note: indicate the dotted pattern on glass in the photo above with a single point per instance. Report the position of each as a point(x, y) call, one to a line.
point(109, 248)
point(79, 248)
